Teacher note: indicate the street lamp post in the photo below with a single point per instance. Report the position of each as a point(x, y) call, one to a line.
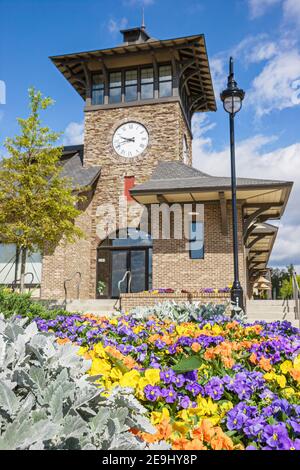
point(232, 99)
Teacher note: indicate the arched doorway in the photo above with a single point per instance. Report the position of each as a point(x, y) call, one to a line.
point(128, 250)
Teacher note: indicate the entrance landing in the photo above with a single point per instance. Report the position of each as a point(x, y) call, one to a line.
point(101, 307)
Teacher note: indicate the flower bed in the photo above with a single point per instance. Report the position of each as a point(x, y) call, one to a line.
point(205, 385)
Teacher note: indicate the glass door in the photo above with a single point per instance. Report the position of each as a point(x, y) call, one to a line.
point(138, 270)
point(119, 266)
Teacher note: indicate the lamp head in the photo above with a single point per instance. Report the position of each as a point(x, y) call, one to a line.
point(233, 96)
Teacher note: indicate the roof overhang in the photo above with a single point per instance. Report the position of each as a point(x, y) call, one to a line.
point(190, 51)
point(260, 201)
point(274, 196)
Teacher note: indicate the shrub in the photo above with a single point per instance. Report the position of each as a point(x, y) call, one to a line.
point(47, 401)
point(13, 303)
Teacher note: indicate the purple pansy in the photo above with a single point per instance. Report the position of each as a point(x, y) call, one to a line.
point(152, 393)
point(169, 394)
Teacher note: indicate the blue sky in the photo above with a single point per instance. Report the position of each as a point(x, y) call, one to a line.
point(263, 36)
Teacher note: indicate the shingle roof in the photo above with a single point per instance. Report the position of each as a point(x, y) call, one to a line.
point(170, 176)
point(72, 162)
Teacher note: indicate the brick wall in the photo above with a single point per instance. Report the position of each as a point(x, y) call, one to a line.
point(173, 268)
point(130, 301)
point(68, 259)
point(166, 126)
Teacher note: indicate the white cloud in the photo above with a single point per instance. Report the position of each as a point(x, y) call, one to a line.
point(73, 134)
point(2, 92)
point(253, 160)
point(255, 49)
point(259, 7)
point(277, 86)
point(286, 249)
point(291, 10)
point(114, 26)
point(219, 72)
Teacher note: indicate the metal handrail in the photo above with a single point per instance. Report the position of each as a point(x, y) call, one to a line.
point(16, 281)
point(78, 285)
point(296, 295)
point(128, 273)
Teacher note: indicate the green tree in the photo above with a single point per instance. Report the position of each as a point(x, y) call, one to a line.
point(286, 291)
point(37, 205)
point(278, 276)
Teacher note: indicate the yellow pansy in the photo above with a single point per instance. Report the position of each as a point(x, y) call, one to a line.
point(226, 406)
point(217, 329)
point(82, 350)
point(113, 321)
point(184, 415)
point(288, 392)
point(207, 326)
point(115, 374)
point(100, 367)
point(100, 351)
point(281, 380)
point(130, 379)
point(286, 366)
point(214, 419)
point(158, 416)
point(297, 363)
point(152, 376)
point(270, 376)
point(181, 427)
point(206, 407)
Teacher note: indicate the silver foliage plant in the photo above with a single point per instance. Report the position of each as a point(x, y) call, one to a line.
point(48, 402)
point(183, 312)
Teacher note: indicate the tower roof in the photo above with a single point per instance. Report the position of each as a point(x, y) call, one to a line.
point(189, 51)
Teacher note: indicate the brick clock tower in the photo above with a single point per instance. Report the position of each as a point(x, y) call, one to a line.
point(139, 101)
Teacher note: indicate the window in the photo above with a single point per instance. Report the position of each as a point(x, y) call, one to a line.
point(196, 240)
point(165, 81)
point(97, 89)
point(131, 85)
point(10, 266)
point(147, 84)
point(115, 87)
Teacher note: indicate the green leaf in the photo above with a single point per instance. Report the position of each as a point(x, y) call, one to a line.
point(188, 364)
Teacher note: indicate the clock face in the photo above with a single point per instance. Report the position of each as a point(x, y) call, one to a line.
point(130, 139)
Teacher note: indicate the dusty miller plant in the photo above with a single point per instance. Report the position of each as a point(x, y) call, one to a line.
point(48, 402)
point(183, 312)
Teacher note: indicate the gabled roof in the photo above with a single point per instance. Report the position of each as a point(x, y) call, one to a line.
point(72, 162)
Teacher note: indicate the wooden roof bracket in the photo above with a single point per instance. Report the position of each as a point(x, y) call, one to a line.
point(251, 219)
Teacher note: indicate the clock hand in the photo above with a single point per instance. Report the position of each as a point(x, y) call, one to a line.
point(127, 139)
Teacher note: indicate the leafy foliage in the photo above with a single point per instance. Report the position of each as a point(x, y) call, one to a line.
point(286, 290)
point(37, 205)
point(47, 401)
point(181, 313)
point(13, 303)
